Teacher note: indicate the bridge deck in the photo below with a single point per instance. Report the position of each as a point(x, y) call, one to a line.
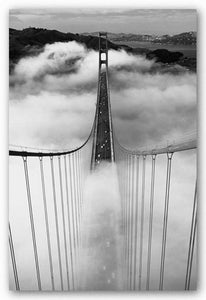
point(103, 146)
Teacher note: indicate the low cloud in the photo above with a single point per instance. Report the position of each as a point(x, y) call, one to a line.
point(53, 96)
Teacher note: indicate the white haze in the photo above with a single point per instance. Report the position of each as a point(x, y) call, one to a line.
point(52, 105)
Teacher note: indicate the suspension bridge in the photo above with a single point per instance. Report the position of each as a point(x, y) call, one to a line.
point(67, 172)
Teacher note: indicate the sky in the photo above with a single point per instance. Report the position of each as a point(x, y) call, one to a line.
point(79, 20)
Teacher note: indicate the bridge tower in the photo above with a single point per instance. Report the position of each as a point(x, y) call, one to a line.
point(103, 147)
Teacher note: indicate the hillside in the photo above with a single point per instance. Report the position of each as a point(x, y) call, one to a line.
point(23, 42)
point(185, 38)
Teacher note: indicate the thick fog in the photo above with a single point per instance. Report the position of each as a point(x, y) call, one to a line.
point(52, 106)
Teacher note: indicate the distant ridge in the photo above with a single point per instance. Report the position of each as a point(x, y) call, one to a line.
point(184, 38)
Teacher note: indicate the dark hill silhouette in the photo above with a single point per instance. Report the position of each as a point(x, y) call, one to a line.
point(21, 41)
point(165, 56)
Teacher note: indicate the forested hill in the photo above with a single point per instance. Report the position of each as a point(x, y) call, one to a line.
point(22, 41)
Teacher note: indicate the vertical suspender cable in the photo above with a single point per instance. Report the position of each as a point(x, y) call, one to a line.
point(69, 213)
point(73, 214)
point(142, 221)
point(46, 221)
point(126, 201)
point(75, 199)
point(56, 222)
point(122, 169)
point(165, 221)
point(136, 222)
point(125, 218)
point(150, 222)
point(80, 180)
point(63, 220)
point(132, 222)
point(79, 193)
point(13, 259)
point(78, 190)
point(122, 188)
point(77, 205)
point(192, 241)
point(128, 222)
point(32, 222)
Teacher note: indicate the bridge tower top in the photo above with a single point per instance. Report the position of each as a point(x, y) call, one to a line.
point(103, 49)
